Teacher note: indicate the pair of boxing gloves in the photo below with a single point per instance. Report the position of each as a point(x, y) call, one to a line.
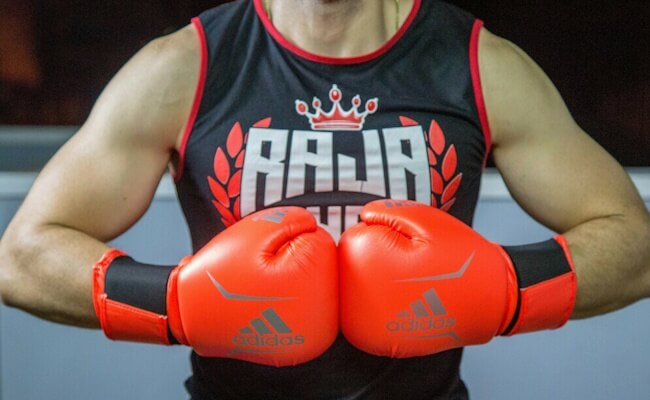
point(408, 280)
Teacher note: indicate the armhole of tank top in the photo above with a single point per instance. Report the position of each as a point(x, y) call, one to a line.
point(478, 89)
point(198, 96)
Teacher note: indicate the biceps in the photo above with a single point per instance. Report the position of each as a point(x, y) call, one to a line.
point(564, 178)
point(95, 185)
point(554, 170)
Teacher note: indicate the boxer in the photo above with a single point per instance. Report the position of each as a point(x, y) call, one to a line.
point(328, 105)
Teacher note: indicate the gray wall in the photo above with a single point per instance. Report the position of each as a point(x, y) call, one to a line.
point(600, 358)
point(41, 360)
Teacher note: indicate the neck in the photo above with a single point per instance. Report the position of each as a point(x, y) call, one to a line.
point(338, 28)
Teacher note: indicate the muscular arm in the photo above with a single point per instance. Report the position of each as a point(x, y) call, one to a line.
point(99, 183)
point(565, 180)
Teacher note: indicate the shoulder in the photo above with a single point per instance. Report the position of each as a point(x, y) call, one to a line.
point(519, 96)
point(175, 45)
point(169, 60)
point(152, 94)
point(502, 61)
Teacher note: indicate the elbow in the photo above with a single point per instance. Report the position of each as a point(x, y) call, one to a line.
point(645, 251)
point(641, 233)
point(8, 275)
point(637, 244)
point(12, 274)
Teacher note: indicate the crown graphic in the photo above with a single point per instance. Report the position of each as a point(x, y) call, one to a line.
point(337, 119)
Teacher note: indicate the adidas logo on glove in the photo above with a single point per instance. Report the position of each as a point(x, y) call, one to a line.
point(417, 318)
point(268, 331)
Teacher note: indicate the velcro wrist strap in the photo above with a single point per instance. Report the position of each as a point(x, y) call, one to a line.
point(130, 299)
point(547, 285)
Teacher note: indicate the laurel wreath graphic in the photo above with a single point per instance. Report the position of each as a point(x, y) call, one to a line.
point(226, 183)
point(444, 179)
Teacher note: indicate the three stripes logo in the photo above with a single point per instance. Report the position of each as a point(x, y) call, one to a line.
point(425, 318)
point(267, 333)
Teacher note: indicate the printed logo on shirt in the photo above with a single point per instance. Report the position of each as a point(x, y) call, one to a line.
point(334, 168)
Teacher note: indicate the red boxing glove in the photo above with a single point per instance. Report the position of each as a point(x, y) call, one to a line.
point(416, 281)
point(264, 290)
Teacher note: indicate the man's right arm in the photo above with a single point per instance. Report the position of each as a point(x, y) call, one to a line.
point(100, 183)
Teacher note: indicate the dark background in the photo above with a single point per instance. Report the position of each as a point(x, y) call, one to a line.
point(57, 55)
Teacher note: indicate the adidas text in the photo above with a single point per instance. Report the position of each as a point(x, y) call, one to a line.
point(422, 325)
point(269, 340)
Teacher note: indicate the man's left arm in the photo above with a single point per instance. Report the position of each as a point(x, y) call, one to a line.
point(565, 180)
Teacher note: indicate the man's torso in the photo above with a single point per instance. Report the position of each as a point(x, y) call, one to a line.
point(277, 128)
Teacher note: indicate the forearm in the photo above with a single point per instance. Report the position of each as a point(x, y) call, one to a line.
point(612, 261)
point(46, 271)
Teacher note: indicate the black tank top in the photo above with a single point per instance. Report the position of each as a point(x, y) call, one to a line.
point(275, 125)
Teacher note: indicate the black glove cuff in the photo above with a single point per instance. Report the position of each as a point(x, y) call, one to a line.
point(536, 263)
point(139, 285)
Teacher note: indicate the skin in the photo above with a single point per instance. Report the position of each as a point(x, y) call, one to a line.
point(102, 181)
point(338, 28)
point(565, 180)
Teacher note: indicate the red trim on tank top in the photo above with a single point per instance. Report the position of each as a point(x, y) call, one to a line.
point(198, 96)
point(478, 89)
point(277, 36)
